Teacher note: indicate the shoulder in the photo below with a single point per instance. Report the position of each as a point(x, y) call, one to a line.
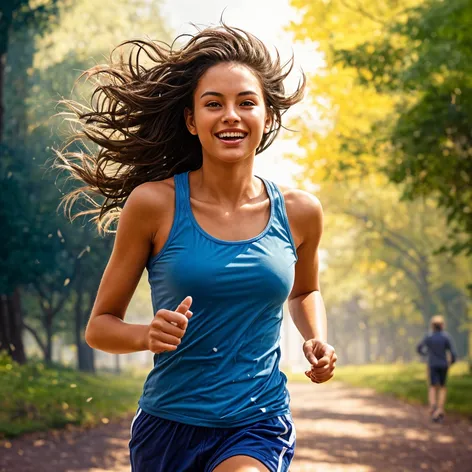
point(147, 203)
point(305, 214)
point(301, 204)
point(151, 196)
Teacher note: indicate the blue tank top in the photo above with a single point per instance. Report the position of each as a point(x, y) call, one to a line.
point(225, 372)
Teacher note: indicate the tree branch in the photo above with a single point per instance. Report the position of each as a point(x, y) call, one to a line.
point(395, 245)
point(36, 336)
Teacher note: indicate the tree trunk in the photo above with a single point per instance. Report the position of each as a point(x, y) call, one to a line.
point(11, 326)
point(380, 351)
point(17, 322)
point(85, 358)
point(88, 359)
point(117, 364)
point(4, 324)
point(85, 354)
point(49, 334)
point(367, 345)
point(78, 326)
point(3, 61)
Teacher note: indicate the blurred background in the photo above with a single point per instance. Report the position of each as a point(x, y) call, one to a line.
point(383, 138)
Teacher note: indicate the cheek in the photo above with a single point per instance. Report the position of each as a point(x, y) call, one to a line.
point(257, 120)
point(205, 121)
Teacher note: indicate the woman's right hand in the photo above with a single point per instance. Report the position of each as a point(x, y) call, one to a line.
point(168, 328)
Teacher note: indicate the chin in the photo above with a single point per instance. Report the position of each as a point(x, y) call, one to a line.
point(232, 156)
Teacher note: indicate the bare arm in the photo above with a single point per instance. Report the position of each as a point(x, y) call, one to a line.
point(136, 234)
point(106, 329)
point(305, 301)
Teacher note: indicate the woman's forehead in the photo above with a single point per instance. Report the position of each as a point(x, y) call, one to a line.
point(229, 79)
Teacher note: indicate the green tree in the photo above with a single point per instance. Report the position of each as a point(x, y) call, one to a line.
point(19, 22)
point(381, 263)
point(407, 78)
point(58, 279)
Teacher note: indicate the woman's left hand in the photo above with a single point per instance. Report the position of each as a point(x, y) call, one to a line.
point(322, 358)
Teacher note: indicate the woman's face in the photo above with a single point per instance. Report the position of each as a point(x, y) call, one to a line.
point(229, 114)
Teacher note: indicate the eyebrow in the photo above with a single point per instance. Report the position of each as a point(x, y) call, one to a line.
point(218, 94)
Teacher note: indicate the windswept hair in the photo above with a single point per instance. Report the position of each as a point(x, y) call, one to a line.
point(136, 115)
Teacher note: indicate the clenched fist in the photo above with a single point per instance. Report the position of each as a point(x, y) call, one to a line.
point(168, 328)
point(322, 358)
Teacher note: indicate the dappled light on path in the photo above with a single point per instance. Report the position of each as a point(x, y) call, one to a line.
point(342, 428)
point(339, 429)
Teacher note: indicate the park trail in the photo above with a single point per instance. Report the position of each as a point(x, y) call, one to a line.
point(339, 429)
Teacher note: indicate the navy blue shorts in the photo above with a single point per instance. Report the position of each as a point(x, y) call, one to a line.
point(437, 375)
point(159, 445)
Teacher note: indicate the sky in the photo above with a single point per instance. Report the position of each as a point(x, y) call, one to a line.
point(266, 19)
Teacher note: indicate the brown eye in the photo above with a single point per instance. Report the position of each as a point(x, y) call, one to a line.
point(212, 104)
point(248, 103)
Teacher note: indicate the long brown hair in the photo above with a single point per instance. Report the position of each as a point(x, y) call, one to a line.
point(136, 115)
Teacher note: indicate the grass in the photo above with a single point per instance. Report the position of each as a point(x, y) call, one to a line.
point(34, 397)
point(408, 382)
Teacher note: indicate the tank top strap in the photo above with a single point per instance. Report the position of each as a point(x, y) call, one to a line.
point(181, 196)
point(279, 217)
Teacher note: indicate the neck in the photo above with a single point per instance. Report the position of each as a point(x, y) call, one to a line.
point(226, 184)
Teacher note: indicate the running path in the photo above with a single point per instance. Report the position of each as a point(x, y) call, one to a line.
point(345, 429)
point(339, 429)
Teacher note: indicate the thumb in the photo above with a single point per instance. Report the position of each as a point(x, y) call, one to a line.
point(184, 306)
point(309, 354)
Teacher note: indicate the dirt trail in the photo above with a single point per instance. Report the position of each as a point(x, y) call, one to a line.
point(339, 429)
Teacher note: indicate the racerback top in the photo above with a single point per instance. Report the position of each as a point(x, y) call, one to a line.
point(225, 372)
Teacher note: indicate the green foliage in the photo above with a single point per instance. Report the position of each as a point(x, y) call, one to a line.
point(423, 57)
point(20, 14)
point(34, 397)
point(42, 251)
point(408, 382)
point(390, 145)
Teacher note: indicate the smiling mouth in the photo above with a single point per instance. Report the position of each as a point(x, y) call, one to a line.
point(231, 137)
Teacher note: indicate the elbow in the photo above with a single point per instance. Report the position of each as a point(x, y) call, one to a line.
point(90, 337)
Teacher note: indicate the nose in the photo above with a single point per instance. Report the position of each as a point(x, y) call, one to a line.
point(230, 115)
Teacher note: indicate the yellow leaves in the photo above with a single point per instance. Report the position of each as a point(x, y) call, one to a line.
point(369, 267)
point(402, 331)
point(34, 4)
point(366, 74)
point(379, 266)
point(438, 78)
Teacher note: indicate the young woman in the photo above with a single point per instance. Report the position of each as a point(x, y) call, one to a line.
point(224, 249)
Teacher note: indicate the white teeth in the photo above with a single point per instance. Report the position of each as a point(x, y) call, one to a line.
point(231, 135)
